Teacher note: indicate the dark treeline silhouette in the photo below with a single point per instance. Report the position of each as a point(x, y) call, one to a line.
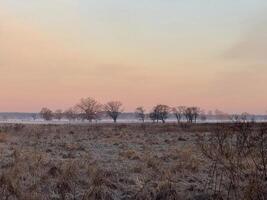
point(91, 110)
point(87, 109)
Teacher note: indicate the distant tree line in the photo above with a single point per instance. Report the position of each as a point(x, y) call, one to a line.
point(87, 109)
point(91, 110)
point(162, 112)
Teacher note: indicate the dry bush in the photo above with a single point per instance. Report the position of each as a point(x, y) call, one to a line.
point(238, 156)
point(187, 161)
point(130, 154)
point(153, 162)
point(20, 179)
point(124, 162)
point(102, 186)
point(162, 191)
point(137, 169)
point(18, 127)
point(168, 191)
point(30, 175)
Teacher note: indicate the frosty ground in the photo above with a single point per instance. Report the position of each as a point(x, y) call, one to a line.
point(103, 161)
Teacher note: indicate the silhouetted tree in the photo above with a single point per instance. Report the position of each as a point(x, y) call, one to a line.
point(161, 112)
point(191, 114)
point(113, 109)
point(153, 116)
point(196, 113)
point(178, 112)
point(140, 113)
point(89, 109)
point(46, 114)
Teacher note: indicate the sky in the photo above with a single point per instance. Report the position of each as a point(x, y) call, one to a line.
point(207, 53)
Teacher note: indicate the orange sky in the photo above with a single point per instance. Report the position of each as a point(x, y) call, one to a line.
point(54, 64)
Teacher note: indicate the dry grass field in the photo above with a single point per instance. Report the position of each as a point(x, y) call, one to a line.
point(121, 161)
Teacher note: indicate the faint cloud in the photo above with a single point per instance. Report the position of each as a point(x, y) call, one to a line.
point(252, 46)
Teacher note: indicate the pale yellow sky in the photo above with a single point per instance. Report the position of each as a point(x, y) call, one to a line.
point(54, 53)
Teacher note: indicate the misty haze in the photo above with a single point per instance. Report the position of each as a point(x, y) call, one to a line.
point(138, 100)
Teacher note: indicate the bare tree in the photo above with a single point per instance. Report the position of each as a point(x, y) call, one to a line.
point(179, 112)
point(46, 114)
point(113, 109)
point(188, 113)
point(153, 116)
point(70, 114)
point(191, 114)
point(58, 114)
point(140, 113)
point(196, 113)
point(89, 109)
point(161, 112)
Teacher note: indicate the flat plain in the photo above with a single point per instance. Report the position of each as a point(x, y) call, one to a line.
point(104, 161)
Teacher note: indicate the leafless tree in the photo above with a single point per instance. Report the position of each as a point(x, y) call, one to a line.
point(196, 113)
point(58, 114)
point(161, 112)
point(188, 113)
point(89, 109)
point(179, 112)
point(153, 116)
point(113, 109)
point(46, 114)
point(191, 114)
point(140, 113)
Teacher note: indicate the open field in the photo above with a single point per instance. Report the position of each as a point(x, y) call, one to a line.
point(108, 161)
